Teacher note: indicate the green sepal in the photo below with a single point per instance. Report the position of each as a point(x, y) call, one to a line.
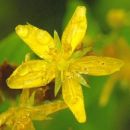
point(24, 97)
point(31, 100)
point(57, 83)
point(81, 53)
point(82, 81)
point(57, 40)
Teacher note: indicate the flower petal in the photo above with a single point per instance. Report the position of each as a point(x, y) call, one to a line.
point(73, 97)
point(75, 30)
point(40, 41)
point(31, 74)
point(94, 65)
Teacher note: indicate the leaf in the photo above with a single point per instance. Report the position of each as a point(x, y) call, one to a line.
point(13, 49)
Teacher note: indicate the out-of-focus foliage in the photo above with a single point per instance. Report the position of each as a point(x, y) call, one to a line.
point(13, 49)
point(102, 7)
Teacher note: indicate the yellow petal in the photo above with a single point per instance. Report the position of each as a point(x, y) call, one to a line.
point(37, 39)
point(75, 30)
point(31, 74)
point(73, 97)
point(21, 119)
point(94, 65)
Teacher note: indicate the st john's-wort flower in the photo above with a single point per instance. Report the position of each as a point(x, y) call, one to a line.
point(61, 60)
point(117, 18)
point(21, 116)
point(118, 49)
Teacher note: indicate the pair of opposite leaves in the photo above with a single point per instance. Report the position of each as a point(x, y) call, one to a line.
point(61, 61)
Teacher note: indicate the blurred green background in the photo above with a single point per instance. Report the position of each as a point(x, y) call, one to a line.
point(54, 14)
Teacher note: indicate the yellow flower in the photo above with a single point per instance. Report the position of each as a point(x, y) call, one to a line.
point(120, 49)
point(117, 18)
point(20, 117)
point(61, 61)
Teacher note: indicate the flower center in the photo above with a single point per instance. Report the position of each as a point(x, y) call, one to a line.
point(62, 64)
